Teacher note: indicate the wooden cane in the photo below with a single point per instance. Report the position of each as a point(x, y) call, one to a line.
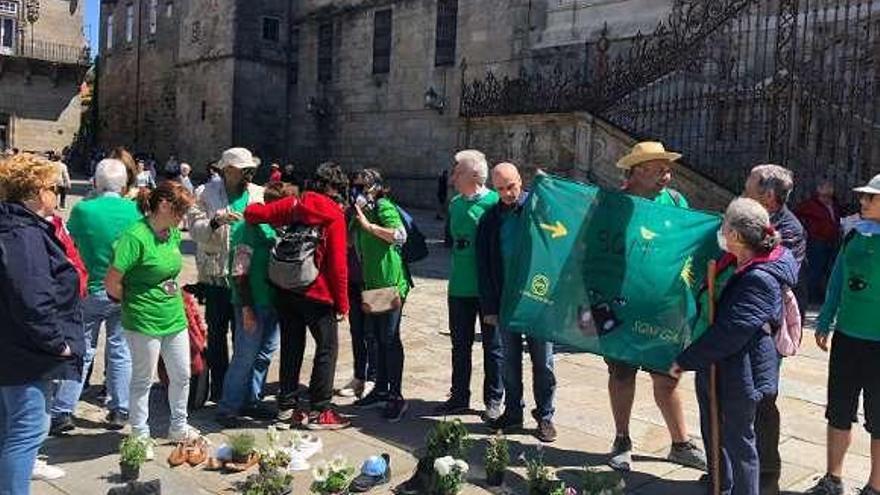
point(714, 417)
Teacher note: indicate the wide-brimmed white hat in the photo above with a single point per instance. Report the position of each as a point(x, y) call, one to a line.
point(872, 187)
point(236, 157)
point(645, 152)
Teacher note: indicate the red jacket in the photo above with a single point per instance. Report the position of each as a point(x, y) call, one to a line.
point(311, 208)
point(819, 221)
point(72, 254)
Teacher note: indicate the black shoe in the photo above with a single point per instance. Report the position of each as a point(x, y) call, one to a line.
point(117, 419)
point(367, 481)
point(452, 407)
point(827, 485)
point(395, 409)
point(259, 411)
point(508, 423)
point(373, 400)
point(61, 424)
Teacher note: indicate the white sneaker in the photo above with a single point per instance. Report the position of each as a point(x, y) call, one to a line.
point(351, 388)
point(187, 433)
point(45, 472)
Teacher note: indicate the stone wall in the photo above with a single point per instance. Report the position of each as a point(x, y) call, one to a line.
point(575, 145)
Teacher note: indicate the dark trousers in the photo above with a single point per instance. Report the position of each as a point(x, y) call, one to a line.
point(463, 314)
point(820, 261)
point(220, 317)
point(297, 314)
point(62, 197)
point(739, 453)
point(385, 328)
point(767, 424)
point(363, 343)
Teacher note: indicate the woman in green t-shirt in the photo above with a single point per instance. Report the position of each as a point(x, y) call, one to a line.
point(143, 276)
point(380, 234)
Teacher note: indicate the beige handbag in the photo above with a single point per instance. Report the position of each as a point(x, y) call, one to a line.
point(377, 301)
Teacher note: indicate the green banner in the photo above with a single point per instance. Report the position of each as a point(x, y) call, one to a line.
point(608, 273)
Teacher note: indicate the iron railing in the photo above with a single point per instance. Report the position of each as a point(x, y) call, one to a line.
point(731, 83)
point(53, 52)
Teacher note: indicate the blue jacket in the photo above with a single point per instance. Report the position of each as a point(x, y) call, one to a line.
point(490, 262)
point(40, 305)
point(739, 341)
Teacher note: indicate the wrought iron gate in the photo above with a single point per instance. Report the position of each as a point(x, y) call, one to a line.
point(731, 83)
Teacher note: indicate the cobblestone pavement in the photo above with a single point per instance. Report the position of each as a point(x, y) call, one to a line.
point(583, 416)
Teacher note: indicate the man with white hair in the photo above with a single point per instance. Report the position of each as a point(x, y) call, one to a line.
point(472, 201)
point(95, 224)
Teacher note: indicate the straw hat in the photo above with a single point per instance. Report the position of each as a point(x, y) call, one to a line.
point(646, 152)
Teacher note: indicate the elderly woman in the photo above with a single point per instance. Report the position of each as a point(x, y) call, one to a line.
point(379, 238)
point(142, 275)
point(739, 341)
point(42, 335)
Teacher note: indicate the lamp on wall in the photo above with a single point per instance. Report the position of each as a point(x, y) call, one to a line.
point(434, 101)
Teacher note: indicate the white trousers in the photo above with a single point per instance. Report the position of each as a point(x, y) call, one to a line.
point(145, 352)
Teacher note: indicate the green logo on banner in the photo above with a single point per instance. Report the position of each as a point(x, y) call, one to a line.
point(540, 285)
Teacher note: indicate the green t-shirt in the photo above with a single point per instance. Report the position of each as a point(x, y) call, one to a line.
point(151, 300)
point(671, 197)
point(381, 262)
point(238, 204)
point(854, 290)
point(464, 216)
point(259, 239)
point(95, 224)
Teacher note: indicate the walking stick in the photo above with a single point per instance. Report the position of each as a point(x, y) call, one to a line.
point(714, 418)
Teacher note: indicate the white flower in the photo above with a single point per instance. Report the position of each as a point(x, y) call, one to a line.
point(461, 466)
point(443, 465)
point(320, 473)
point(339, 463)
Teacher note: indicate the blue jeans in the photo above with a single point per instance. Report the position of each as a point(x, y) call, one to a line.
point(97, 309)
point(385, 329)
point(463, 314)
point(24, 424)
point(363, 343)
point(543, 378)
point(251, 356)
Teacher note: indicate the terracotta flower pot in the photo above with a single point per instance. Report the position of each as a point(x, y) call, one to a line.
point(238, 467)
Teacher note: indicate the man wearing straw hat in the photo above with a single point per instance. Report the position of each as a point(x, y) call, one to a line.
point(648, 170)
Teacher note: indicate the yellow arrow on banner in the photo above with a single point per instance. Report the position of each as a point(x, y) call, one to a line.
point(556, 231)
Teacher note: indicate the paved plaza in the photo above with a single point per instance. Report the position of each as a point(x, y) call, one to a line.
point(583, 416)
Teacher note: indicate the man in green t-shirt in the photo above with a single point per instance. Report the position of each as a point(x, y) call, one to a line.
point(648, 170)
point(94, 225)
point(472, 201)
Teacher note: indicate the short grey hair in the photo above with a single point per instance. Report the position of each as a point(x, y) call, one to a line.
point(751, 221)
point(476, 161)
point(110, 176)
point(775, 178)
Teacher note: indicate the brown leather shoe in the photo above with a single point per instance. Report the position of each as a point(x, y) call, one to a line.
point(546, 431)
point(198, 452)
point(178, 455)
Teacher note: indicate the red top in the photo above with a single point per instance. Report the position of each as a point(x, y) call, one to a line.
point(821, 221)
point(72, 254)
point(275, 176)
point(331, 286)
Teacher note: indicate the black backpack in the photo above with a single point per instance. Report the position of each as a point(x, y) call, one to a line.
point(415, 249)
point(293, 265)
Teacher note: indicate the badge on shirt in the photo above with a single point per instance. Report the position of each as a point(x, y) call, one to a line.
point(170, 287)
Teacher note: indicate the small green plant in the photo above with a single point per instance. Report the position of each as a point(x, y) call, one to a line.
point(450, 475)
point(448, 438)
point(275, 482)
point(542, 480)
point(332, 477)
point(242, 446)
point(597, 482)
point(497, 455)
point(133, 450)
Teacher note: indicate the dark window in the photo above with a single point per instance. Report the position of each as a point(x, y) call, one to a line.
point(447, 21)
point(271, 28)
point(325, 52)
point(294, 56)
point(382, 42)
point(204, 110)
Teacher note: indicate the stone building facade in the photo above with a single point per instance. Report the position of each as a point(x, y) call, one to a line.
point(43, 58)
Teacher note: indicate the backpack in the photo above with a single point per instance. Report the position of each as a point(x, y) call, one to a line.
point(415, 248)
point(293, 264)
point(790, 333)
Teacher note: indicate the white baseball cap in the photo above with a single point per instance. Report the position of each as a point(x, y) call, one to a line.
point(872, 187)
point(236, 157)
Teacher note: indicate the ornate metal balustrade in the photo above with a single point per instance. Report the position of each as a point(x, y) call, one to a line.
point(730, 82)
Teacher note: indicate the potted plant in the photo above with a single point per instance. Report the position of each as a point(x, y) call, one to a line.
point(272, 482)
point(598, 482)
point(332, 478)
point(132, 454)
point(450, 475)
point(541, 480)
point(497, 460)
point(448, 438)
point(242, 447)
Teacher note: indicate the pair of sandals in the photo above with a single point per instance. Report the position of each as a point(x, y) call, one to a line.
point(192, 451)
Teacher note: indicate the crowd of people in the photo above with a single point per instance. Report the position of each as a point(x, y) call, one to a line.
point(294, 258)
